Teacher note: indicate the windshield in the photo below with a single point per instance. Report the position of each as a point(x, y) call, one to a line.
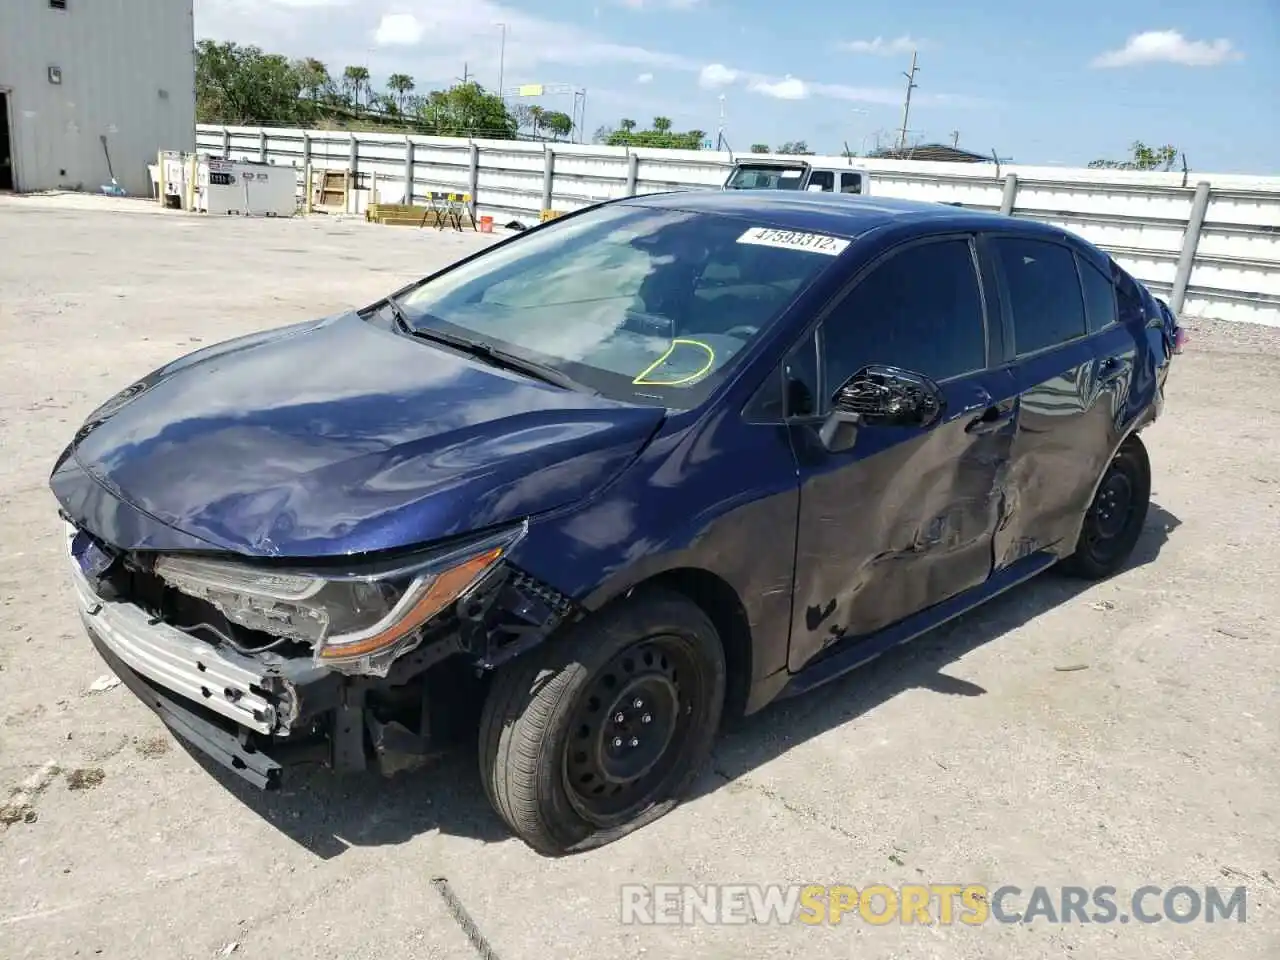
point(641, 304)
point(772, 177)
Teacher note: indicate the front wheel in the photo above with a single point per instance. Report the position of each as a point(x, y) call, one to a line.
point(602, 730)
point(1116, 517)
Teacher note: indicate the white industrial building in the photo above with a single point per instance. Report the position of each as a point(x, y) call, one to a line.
point(75, 71)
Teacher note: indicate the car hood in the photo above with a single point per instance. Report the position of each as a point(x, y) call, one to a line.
point(332, 438)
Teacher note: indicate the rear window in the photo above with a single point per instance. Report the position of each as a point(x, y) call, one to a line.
point(644, 305)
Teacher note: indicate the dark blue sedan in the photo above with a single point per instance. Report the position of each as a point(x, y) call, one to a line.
point(595, 487)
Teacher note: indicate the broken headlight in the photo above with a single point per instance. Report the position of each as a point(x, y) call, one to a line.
point(356, 621)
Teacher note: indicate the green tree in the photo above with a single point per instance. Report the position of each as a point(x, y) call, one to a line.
point(759, 148)
point(626, 126)
point(400, 85)
point(662, 124)
point(313, 76)
point(558, 123)
point(795, 147)
point(467, 109)
point(236, 84)
point(536, 115)
point(355, 80)
point(1142, 157)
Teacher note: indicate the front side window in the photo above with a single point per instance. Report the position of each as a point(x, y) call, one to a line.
point(1044, 292)
point(850, 183)
point(823, 181)
point(641, 304)
point(920, 310)
point(766, 177)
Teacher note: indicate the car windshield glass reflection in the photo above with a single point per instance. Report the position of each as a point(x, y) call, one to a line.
point(640, 304)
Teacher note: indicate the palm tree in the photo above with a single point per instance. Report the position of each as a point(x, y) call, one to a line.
point(401, 84)
point(354, 82)
point(626, 126)
point(661, 124)
point(536, 114)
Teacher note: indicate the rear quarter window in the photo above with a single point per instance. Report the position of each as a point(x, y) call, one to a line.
point(1099, 296)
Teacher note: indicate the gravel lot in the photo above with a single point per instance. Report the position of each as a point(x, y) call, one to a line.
point(1123, 734)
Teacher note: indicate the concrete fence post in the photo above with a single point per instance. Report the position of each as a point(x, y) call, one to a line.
point(548, 177)
point(353, 166)
point(262, 146)
point(633, 173)
point(1007, 201)
point(475, 177)
point(408, 171)
point(226, 144)
point(306, 166)
point(1190, 241)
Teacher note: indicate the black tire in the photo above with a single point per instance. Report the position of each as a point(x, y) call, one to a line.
point(1114, 521)
point(546, 724)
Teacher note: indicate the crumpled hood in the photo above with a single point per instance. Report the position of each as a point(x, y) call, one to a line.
point(333, 438)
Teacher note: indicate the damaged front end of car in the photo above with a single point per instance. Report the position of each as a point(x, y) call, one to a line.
point(351, 663)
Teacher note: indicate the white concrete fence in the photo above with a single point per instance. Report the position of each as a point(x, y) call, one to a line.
point(1207, 243)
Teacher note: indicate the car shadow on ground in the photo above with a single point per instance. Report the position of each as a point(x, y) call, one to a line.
point(327, 813)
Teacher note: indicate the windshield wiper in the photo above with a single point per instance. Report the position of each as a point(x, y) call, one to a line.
point(487, 352)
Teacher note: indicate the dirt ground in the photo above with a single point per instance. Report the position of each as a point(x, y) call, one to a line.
point(1121, 734)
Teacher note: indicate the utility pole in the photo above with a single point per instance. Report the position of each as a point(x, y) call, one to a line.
point(906, 107)
point(955, 139)
point(502, 61)
point(720, 129)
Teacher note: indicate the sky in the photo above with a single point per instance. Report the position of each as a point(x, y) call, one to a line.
point(1037, 82)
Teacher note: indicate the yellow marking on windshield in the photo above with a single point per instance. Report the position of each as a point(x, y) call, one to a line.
point(641, 380)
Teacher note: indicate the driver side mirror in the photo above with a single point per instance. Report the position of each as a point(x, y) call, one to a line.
point(881, 396)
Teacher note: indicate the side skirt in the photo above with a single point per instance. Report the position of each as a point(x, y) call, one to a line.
point(856, 651)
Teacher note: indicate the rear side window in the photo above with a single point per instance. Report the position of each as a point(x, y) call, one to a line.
point(920, 310)
point(1099, 296)
point(850, 183)
point(1044, 292)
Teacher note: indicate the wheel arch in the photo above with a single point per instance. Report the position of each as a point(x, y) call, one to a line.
point(717, 598)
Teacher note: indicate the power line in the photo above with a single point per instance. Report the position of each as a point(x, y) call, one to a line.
point(906, 107)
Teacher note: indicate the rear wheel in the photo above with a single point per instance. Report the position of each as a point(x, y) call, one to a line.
point(1115, 519)
point(602, 730)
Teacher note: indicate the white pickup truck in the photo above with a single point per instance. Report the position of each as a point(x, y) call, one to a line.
point(797, 175)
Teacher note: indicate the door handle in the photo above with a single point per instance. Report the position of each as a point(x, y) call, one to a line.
point(992, 419)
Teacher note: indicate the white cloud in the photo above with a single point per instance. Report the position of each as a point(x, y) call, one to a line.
point(399, 30)
point(1168, 46)
point(788, 88)
point(715, 75)
point(880, 47)
point(645, 78)
point(430, 41)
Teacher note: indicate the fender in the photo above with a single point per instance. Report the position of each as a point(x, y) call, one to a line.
point(1144, 419)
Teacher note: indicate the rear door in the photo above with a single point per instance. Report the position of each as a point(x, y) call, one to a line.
point(1066, 389)
point(904, 517)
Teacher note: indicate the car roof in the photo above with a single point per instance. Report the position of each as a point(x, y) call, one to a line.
point(837, 214)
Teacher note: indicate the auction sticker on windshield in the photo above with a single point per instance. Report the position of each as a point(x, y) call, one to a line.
point(794, 240)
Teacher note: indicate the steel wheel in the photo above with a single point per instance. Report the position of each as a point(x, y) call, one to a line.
point(628, 730)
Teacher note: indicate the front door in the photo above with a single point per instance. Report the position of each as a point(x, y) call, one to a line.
point(901, 518)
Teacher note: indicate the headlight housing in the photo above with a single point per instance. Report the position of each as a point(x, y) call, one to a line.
point(355, 621)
